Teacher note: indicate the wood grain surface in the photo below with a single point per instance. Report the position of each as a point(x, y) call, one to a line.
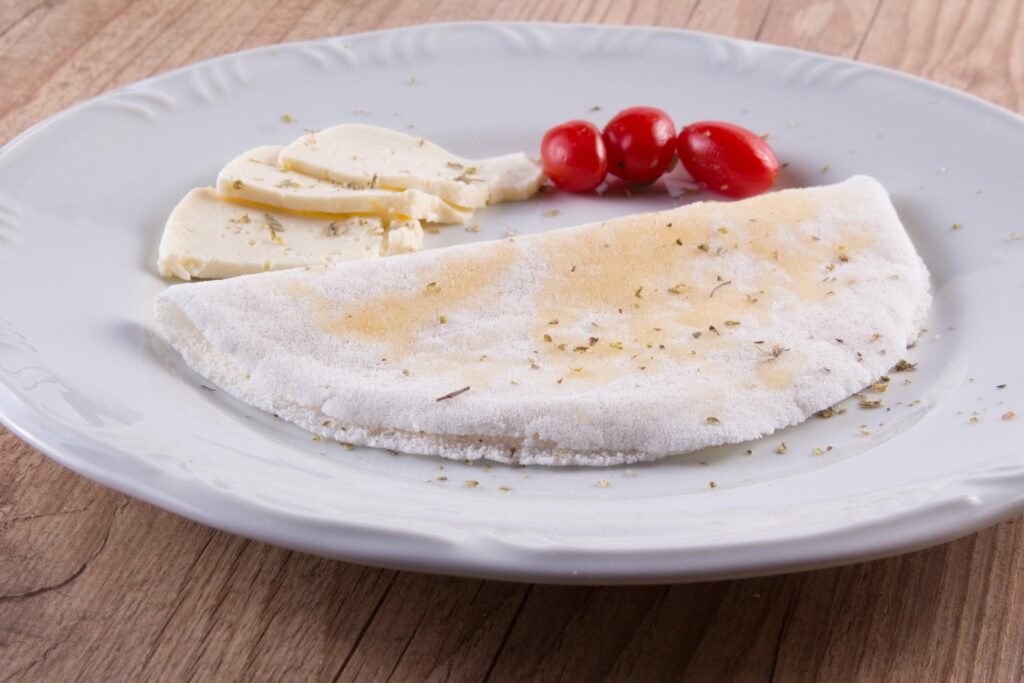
point(98, 586)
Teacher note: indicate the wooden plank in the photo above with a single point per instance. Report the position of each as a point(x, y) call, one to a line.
point(737, 18)
point(435, 628)
point(974, 45)
point(835, 28)
point(94, 584)
point(949, 613)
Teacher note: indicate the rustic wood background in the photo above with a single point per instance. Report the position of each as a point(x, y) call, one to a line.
point(98, 586)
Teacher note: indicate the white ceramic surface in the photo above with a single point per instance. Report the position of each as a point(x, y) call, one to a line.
point(82, 377)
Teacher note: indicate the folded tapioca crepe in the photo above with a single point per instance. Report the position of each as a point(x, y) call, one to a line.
point(607, 343)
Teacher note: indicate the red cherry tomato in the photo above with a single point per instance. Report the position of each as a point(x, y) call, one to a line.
point(574, 156)
point(640, 143)
point(727, 159)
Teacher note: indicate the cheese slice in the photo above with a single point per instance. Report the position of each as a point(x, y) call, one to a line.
point(372, 157)
point(207, 236)
point(256, 176)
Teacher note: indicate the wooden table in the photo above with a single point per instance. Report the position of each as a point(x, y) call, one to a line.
point(100, 586)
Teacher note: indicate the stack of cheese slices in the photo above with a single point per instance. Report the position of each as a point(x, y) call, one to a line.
point(348, 192)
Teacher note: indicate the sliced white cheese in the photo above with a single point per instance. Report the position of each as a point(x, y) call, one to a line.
point(207, 236)
point(368, 156)
point(402, 237)
point(256, 176)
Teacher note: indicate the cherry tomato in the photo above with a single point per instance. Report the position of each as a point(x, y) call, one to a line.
point(574, 156)
point(640, 143)
point(727, 159)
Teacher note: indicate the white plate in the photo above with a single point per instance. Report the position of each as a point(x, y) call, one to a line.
point(83, 197)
